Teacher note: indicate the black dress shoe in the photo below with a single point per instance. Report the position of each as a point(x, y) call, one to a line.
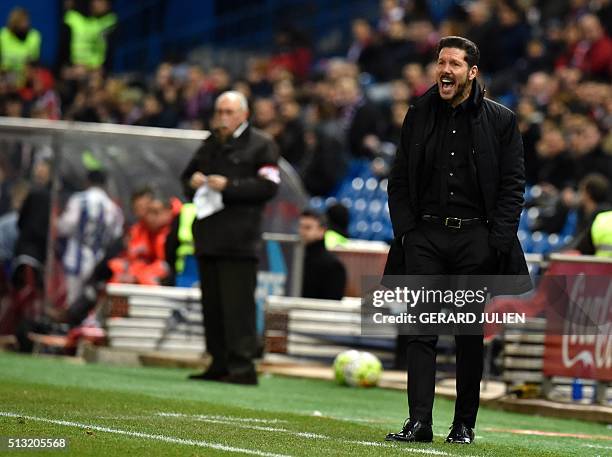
point(413, 432)
point(460, 434)
point(209, 375)
point(248, 379)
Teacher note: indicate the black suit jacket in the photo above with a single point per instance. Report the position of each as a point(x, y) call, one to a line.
point(499, 158)
point(235, 231)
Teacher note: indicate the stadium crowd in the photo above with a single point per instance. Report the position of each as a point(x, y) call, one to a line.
point(549, 61)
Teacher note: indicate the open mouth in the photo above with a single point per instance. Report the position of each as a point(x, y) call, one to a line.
point(447, 83)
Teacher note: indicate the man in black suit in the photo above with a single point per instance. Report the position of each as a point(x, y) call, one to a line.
point(240, 162)
point(455, 197)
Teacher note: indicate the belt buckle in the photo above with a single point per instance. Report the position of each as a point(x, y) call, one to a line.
point(448, 223)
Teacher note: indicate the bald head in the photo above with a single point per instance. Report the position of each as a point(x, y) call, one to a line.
point(231, 110)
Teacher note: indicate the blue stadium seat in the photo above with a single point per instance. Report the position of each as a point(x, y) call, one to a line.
point(347, 201)
point(362, 230)
point(523, 221)
point(571, 223)
point(532, 215)
point(377, 231)
point(525, 240)
point(555, 242)
point(539, 242)
point(375, 209)
point(317, 203)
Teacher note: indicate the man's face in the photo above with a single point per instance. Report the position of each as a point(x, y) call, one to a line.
point(157, 215)
point(264, 113)
point(453, 75)
point(99, 7)
point(228, 116)
point(140, 206)
point(310, 230)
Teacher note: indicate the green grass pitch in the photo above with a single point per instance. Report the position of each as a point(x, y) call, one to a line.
point(116, 411)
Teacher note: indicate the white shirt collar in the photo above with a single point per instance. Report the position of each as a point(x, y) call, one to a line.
point(241, 128)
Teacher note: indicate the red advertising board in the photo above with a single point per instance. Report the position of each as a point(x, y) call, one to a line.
point(587, 355)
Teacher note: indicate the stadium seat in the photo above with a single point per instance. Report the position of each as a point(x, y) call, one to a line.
point(571, 223)
point(539, 243)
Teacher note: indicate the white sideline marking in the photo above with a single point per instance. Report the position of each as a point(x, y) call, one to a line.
point(229, 420)
point(264, 429)
point(407, 449)
point(164, 438)
point(232, 422)
point(226, 418)
point(597, 446)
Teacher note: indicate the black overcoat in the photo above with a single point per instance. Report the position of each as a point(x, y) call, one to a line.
point(499, 160)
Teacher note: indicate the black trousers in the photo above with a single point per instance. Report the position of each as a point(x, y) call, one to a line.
point(228, 307)
point(433, 249)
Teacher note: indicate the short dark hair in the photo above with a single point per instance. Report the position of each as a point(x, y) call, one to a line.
point(144, 191)
point(319, 217)
point(472, 53)
point(596, 186)
point(96, 177)
point(159, 195)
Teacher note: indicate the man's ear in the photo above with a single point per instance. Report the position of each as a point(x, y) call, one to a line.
point(472, 72)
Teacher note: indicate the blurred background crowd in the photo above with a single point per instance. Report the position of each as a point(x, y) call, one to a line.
point(337, 116)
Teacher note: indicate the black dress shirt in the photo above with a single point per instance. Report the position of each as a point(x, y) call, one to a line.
point(453, 190)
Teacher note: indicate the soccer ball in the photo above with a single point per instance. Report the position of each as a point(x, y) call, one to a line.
point(340, 363)
point(364, 371)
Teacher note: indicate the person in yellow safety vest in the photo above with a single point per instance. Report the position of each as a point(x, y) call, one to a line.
point(19, 44)
point(179, 243)
point(594, 200)
point(601, 234)
point(87, 43)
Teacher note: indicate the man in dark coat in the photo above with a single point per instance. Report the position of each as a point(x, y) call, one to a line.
point(240, 162)
point(455, 197)
point(324, 275)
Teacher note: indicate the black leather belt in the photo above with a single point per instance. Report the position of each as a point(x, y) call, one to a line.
point(453, 222)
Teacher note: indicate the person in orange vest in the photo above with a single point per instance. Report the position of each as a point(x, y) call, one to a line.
point(144, 261)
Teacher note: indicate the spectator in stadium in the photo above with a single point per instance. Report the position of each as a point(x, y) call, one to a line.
point(292, 53)
point(360, 118)
point(9, 230)
point(144, 261)
point(33, 224)
point(555, 167)
point(324, 162)
point(140, 200)
point(367, 50)
point(512, 34)
point(19, 44)
point(593, 53)
point(87, 38)
point(90, 223)
point(593, 199)
point(157, 113)
point(324, 276)
point(452, 215)
point(585, 147)
point(240, 162)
